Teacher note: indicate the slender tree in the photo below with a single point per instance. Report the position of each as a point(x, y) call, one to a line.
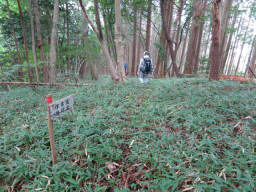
point(250, 55)
point(215, 46)
point(118, 39)
point(20, 73)
point(133, 70)
point(33, 39)
point(225, 12)
point(138, 57)
point(242, 47)
point(163, 47)
point(148, 32)
point(40, 40)
point(68, 38)
point(194, 35)
point(99, 34)
point(24, 40)
point(52, 74)
point(227, 49)
point(172, 49)
point(183, 51)
point(199, 39)
point(252, 67)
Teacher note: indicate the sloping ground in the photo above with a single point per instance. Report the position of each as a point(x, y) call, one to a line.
point(168, 135)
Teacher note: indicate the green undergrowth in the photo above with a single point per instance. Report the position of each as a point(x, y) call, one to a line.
point(167, 135)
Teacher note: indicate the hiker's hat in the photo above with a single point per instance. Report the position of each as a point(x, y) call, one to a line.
point(146, 53)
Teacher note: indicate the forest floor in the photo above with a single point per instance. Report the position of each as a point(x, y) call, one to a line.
point(168, 135)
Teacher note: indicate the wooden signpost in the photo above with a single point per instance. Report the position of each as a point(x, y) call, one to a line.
point(55, 110)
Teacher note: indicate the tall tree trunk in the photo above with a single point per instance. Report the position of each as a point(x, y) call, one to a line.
point(52, 74)
point(191, 52)
point(242, 47)
point(165, 67)
point(108, 36)
point(231, 57)
point(198, 43)
point(68, 39)
point(198, 47)
point(215, 46)
point(118, 39)
point(163, 49)
point(223, 25)
point(176, 34)
point(108, 26)
point(170, 43)
point(252, 66)
point(25, 40)
point(148, 31)
point(139, 43)
point(33, 39)
point(183, 51)
point(40, 41)
point(20, 73)
point(90, 64)
point(250, 55)
point(160, 56)
point(99, 34)
point(82, 69)
point(133, 72)
point(234, 47)
point(207, 41)
point(226, 51)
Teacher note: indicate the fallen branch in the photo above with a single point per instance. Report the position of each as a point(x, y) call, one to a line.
point(42, 84)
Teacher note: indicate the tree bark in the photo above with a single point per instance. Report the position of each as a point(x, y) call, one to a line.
point(99, 34)
point(231, 57)
point(250, 55)
point(215, 46)
point(25, 40)
point(242, 47)
point(193, 39)
point(223, 25)
point(198, 43)
point(163, 48)
point(133, 72)
point(20, 73)
point(234, 47)
point(33, 39)
point(173, 53)
point(224, 60)
point(148, 31)
point(52, 74)
point(207, 41)
point(40, 41)
point(68, 39)
point(118, 40)
point(253, 62)
point(108, 26)
point(176, 34)
point(183, 51)
point(139, 43)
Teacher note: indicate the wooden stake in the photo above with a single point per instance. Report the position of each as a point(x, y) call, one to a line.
point(50, 127)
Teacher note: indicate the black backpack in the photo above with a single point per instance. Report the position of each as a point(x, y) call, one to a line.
point(147, 66)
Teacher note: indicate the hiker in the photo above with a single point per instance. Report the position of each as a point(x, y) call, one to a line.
point(125, 69)
point(145, 68)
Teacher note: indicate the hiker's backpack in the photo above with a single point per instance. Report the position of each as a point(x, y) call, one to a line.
point(147, 65)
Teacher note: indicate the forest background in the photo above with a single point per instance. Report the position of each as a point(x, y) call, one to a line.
point(46, 40)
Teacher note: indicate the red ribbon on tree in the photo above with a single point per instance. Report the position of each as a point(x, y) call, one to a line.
point(48, 99)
